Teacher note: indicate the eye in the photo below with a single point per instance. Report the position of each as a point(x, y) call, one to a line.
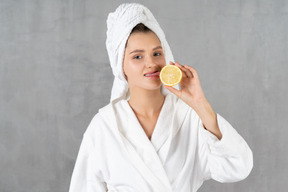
point(137, 57)
point(157, 54)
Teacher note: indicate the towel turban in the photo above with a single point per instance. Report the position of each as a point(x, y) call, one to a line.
point(119, 26)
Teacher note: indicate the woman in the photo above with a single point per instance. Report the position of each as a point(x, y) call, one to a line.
point(150, 137)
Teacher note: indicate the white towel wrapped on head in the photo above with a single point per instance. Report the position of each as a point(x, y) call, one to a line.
point(119, 26)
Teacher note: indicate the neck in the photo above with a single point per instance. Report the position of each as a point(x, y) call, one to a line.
point(147, 103)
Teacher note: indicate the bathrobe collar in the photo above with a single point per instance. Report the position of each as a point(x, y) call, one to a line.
point(148, 156)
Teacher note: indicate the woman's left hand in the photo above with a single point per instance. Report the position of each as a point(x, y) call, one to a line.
point(191, 91)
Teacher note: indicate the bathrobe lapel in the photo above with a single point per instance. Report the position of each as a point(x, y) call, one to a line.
point(130, 137)
point(176, 122)
point(163, 125)
point(147, 156)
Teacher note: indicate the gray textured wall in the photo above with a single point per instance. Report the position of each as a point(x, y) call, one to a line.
point(55, 75)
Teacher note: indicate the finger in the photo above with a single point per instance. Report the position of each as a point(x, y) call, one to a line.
point(179, 66)
point(173, 90)
point(194, 72)
point(182, 69)
point(187, 71)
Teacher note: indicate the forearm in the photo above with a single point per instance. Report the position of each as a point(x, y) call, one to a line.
point(208, 117)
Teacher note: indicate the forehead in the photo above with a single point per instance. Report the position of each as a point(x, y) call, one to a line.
point(141, 39)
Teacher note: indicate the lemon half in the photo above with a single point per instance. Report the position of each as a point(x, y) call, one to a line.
point(171, 75)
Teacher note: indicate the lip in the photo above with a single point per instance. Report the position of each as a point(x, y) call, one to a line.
point(152, 74)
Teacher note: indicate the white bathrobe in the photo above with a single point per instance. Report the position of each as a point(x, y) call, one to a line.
point(116, 155)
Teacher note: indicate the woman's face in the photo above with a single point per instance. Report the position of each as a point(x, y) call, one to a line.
point(143, 60)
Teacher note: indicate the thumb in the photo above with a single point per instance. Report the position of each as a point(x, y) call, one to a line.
point(173, 90)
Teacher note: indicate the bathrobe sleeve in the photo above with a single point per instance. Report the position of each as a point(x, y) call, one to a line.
point(227, 160)
point(85, 177)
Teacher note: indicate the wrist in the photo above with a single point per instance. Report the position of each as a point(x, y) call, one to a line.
point(208, 117)
point(200, 105)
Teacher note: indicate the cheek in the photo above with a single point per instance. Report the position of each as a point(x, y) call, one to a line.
point(131, 67)
point(162, 61)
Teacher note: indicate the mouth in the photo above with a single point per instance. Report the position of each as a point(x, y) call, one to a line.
point(152, 74)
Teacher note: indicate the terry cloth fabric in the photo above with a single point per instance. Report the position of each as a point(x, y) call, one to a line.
point(119, 26)
point(116, 154)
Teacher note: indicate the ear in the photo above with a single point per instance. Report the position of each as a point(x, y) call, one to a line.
point(123, 69)
point(124, 74)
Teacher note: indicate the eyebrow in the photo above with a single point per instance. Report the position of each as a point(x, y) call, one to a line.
point(140, 50)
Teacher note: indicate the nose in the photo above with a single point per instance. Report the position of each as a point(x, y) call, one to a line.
point(150, 62)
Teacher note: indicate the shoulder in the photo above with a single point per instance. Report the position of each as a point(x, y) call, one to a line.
point(105, 118)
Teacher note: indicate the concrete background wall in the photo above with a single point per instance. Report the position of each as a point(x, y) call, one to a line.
point(55, 75)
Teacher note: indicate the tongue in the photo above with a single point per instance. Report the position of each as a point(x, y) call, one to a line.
point(152, 74)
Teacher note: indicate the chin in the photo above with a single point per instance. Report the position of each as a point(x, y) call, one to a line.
point(153, 87)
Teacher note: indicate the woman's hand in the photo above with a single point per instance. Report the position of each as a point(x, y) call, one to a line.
point(191, 91)
point(192, 94)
